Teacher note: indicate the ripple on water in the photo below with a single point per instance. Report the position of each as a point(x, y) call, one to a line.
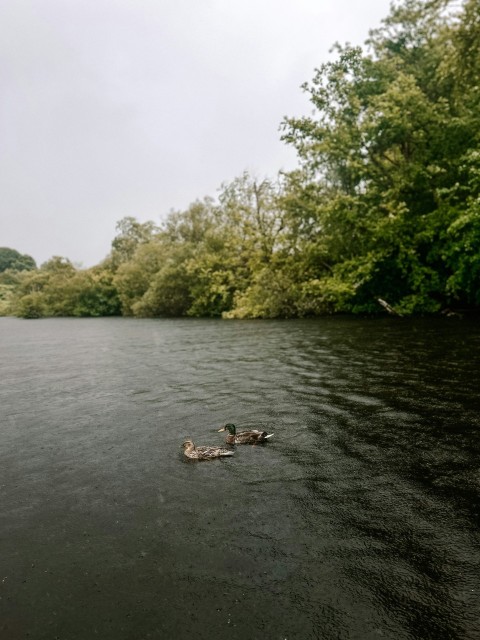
point(359, 519)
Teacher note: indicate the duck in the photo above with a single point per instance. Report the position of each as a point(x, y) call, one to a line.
point(190, 450)
point(244, 437)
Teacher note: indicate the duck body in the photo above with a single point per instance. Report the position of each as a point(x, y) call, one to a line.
point(204, 452)
point(253, 436)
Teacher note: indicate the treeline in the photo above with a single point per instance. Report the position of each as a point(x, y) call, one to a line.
point(385, 204)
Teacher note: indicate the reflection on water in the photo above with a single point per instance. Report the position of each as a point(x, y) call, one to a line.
point(358, 520)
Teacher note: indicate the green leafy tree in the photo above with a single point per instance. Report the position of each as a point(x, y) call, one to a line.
point(386, 148)
point(134, 277)
point(58, 289)
point(12, 259)
point(185, 271)
point(132, 233)
point(7, 291)
point(259, 246)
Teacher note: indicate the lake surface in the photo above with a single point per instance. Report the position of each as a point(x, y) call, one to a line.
point(358, 520)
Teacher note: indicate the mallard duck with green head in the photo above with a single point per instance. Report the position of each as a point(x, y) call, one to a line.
point(244, 437)
point(203, 452)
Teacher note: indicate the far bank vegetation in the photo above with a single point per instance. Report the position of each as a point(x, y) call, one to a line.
point(382, 214)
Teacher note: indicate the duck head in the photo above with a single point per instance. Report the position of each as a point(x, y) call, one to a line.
point(230, 428)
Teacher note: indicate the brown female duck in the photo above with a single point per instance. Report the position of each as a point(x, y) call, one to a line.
point(204, 452)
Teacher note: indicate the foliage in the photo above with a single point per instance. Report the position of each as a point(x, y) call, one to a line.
point(58, 289)
point(393, 150)
point(385, 203)
point(12, 259)
point(8, 286)
point(131, 234)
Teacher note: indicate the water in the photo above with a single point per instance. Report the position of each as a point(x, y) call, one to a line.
point(360, 519)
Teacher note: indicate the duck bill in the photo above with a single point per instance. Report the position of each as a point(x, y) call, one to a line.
point(222, 429)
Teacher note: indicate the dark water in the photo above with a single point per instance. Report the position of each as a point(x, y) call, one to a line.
point(359, 520)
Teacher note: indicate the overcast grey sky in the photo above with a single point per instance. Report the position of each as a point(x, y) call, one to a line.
point(113, 108)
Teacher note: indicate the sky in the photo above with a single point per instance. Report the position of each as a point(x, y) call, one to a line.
point(114, 108)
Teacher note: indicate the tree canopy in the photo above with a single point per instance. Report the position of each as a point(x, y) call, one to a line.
point(384, 206)
point(393, 150)
point(13, 259)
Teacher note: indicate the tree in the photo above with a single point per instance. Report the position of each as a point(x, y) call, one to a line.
point(58, 289)
point(12, 259)
point(131, 234)
point(386, 151)
point(134, 277)
point(184, 270)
